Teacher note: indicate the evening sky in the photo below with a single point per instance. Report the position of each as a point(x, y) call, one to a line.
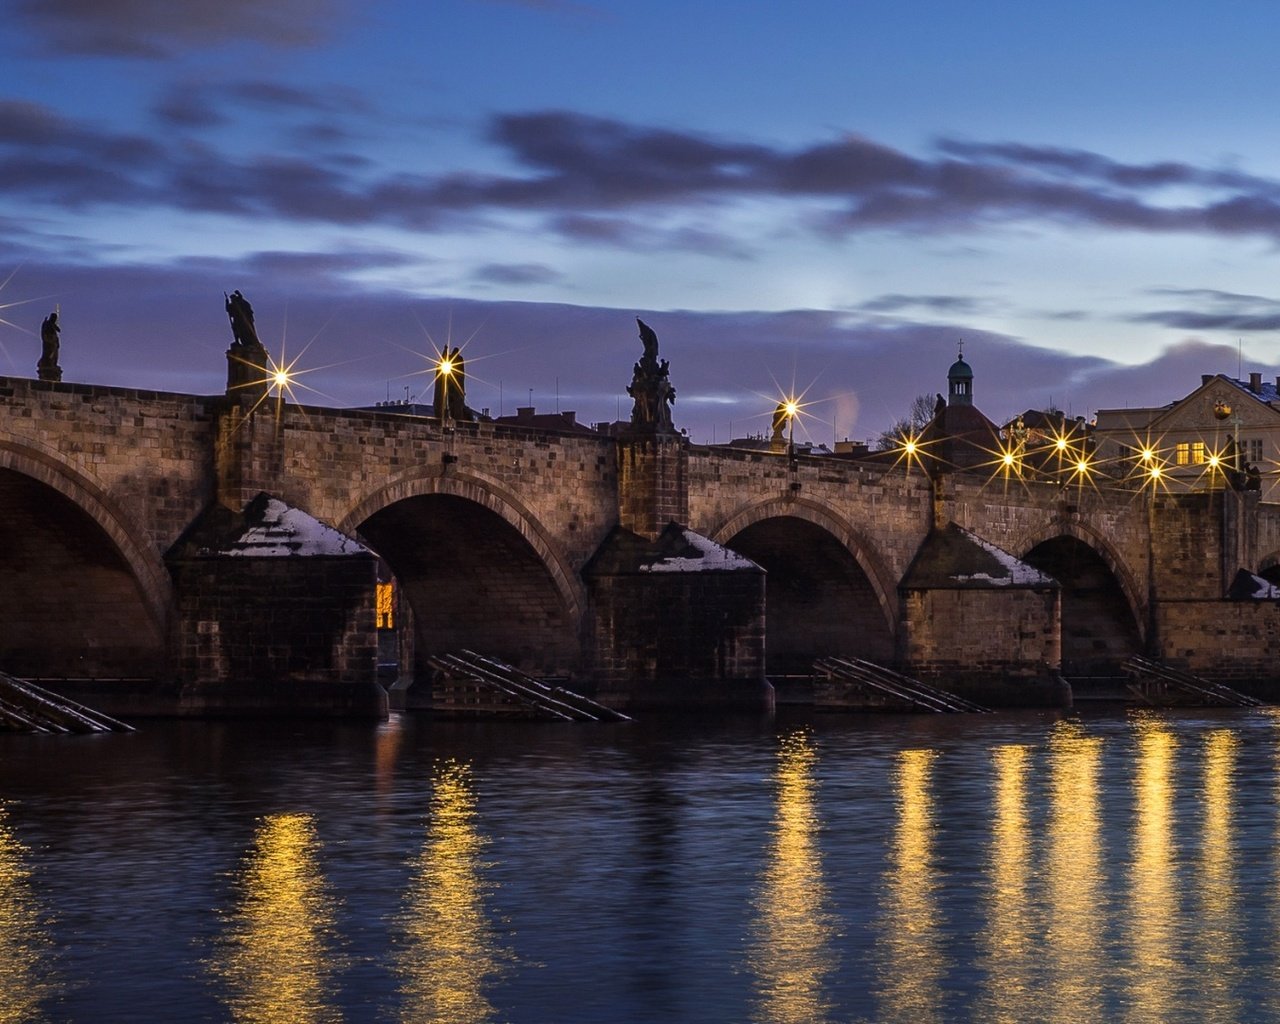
point(829, 196)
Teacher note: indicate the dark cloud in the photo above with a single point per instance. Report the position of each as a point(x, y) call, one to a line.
point(515, 273)
point(1079, 165)
point(188, 107)
point(1214, 310)
point(894, 303)
point(1197, 321)
point(611, 183)
point(156, 29)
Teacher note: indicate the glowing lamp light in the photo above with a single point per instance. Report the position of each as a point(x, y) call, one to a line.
point(909, 447)
point(1154, 473)
point(1147, 455)
point(446, 366)
point(1007, 458)
point(1214, 461)
point(1061, 444)
point(280, 378)
point(790, 408)
point(1083, 467)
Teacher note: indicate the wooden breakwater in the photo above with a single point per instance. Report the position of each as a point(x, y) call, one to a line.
point(467, 684)
point(26, 707)
point(1153, 682)
point(852, 684)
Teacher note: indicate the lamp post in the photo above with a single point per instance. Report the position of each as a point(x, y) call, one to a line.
point(444, 371)
point(1225, 412)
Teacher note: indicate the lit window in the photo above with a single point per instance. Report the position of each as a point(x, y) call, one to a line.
point(1182, 455)
point(386, 591)
point(1197, 453)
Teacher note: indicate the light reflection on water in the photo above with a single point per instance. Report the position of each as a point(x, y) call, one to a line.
point(1010, 923)
point(1075, 877)
point(1152, 918)
point(24, 944)
point(911, 960)
point(450, 953)
point(279, 958)
point(995, 868)
point(792, 957)
point(1219, 945)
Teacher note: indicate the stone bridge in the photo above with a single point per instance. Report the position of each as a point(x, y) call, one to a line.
point(128, 523)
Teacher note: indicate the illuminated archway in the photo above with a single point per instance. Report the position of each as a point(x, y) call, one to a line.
point(825, 591)
point(1102, 624)
point(86, 594)
point(476, 570)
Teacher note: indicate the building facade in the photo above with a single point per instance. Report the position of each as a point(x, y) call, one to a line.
point(1224, 433)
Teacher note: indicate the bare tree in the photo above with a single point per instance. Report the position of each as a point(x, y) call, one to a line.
point(916, 419)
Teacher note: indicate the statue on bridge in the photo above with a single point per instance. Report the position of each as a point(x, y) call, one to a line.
point(47, 368)
point(651, 387)
point(247, 368)
point(241, 314)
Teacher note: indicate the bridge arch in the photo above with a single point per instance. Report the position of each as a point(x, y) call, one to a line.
point(827, 590)
point(1103, 608)
point(477, 568)
point(114, 583)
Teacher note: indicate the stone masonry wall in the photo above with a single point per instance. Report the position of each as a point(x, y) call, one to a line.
point(946, 633)
point(151, 453)
point(246, 620)
point(342, 466)
point(672, 639)
point(1235, 642)
point(888, 510)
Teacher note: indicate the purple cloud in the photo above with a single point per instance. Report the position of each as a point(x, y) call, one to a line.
point(155, 29)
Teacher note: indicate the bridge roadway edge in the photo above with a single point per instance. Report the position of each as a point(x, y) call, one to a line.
point(140, 465)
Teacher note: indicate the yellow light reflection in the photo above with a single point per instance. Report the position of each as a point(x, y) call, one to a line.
point(1153, 924)
point(792, 955)
point(1075, 953)
point(911, 965)
point(1217, 926)
point(279, 962)
point(24, 945)
point(1010, 993)
point(451, 954)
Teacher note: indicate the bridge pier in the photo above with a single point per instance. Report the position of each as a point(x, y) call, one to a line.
point(275, 611)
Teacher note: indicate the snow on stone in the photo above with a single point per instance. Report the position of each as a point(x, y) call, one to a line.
point(1018, 571)
point(712, 557)
point(1264, 590)
point(286, 531)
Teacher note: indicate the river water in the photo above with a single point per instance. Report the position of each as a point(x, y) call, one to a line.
point(1012, 867)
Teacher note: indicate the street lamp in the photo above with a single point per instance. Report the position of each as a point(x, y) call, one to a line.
point(791, 408)
point(444, 373)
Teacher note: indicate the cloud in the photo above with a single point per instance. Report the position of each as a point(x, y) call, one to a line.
point(515, 273)
point(155, 29)
point(893, 303)
point(1216, 310)
point(606, 182)
point(164, 327)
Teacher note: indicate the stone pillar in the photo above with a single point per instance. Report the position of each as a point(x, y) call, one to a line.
point(275, 613)
point(1239, 533)
point(676, 622)
point(250, 450)
point(653, 483)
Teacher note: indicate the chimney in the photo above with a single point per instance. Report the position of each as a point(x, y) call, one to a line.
point(1255, 383)
point(1205, 378)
